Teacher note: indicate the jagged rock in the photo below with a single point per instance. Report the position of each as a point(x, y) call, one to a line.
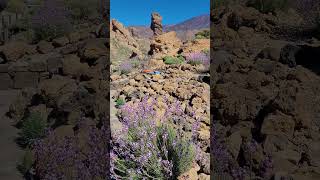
point(278, 123)
point(72, 66)
point(93, 49)
point(166, 44)
point(197, 45)
point(156, 24)
point(13, 51)
point(38, 63)
point(122, 44)
point(57, 86)
point(59, 42)
point(44, 47)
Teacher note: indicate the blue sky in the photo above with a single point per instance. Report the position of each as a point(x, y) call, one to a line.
point(138, 12)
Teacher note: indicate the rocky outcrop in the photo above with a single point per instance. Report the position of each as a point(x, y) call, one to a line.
point(156, 24)
point(165, 45)
point(122, 44)
point(195, 46)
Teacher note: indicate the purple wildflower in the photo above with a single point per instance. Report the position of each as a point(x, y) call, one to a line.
point(198, 58)
point(125, 67)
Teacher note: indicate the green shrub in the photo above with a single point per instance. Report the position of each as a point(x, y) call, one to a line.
point(267, 6)
point(206, 52)
point(182, 154)
point(33, 128)
point(27, 162)
point(135, 63)
point(120, 102)
point(205, 34)
point(173, 60)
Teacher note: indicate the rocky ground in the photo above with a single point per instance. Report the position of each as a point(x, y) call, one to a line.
point(265, 91)
point(185, 83)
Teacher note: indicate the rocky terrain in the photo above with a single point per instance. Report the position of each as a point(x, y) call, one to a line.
point(265, 100)
point(185, 83)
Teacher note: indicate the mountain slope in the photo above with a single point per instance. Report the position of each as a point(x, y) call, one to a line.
point(198, 22)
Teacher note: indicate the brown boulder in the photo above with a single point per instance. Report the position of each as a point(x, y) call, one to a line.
point(93, 49)
point(167, 44)
point(44, 47)
point(13, 51)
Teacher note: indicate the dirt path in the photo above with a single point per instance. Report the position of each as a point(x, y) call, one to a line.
point(11, 153)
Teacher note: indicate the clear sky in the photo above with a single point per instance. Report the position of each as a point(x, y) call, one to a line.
point(138, 12)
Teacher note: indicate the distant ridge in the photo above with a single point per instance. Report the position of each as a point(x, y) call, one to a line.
point(198, 22)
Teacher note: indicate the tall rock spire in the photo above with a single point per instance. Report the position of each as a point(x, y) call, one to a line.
point(156, 23)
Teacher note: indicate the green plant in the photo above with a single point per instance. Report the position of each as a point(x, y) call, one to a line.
point(173, 60)
point(205, 34)
point(182, 154)
point(33, 128)
point(135, 63)
point(27, 162)
point(120, 102)
point(267, 6)
point(206, 52)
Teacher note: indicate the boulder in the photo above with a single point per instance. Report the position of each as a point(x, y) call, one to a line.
point(72, 66)
point(93, 49)
point(15, 50)
point(59, 42)
point(44, 47)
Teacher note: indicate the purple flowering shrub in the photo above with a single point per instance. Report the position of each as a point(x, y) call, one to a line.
point(125, 67)
point(198, 58)
point(224, 163)
point(149, 149)
point(51, 20)
point(73, 157)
